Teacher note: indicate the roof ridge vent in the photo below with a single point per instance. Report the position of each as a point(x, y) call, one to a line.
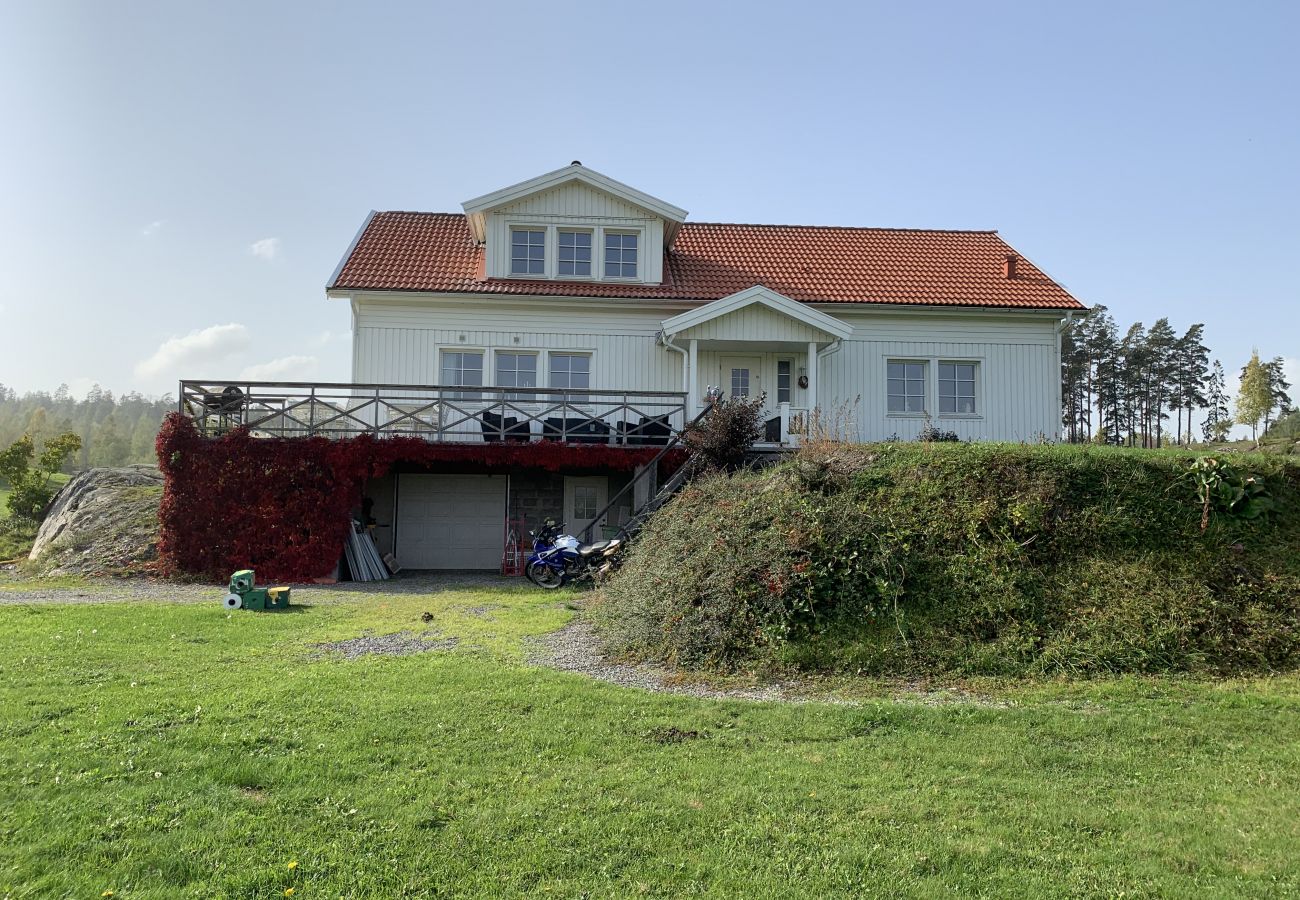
point(576, 162)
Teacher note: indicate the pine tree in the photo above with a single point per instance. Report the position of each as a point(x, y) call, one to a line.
point(1192, 361)
point(1218, 421)
point(1277, 388)
point(1255, 399)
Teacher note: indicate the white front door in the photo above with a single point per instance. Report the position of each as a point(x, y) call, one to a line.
point(584, 496)
point(739, 376)
point(450, 521)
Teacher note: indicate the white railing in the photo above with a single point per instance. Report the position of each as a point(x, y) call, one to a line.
point(435, 413)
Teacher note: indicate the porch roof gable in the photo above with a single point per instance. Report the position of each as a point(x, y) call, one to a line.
point(760, 296)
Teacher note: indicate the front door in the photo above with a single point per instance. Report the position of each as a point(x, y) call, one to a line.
point(584, 496)
point(739, 376)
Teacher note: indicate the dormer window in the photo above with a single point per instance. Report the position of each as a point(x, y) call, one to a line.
point(620, 254)
point(527, 251)
point(575, 254)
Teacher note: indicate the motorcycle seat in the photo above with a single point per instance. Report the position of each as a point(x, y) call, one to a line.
point(589, 549)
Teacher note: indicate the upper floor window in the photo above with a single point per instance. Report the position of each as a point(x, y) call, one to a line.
point(957, 388)
point(527, 251)
point(906, 386)
point(463, 369)
point(620, 254)
point(575, 253)
point(571, 370)
point(516, 370)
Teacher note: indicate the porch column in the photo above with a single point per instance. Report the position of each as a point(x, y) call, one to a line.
point(812, 384)
point(693, 401)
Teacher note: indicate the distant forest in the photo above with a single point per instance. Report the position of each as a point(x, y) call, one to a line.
point(114, 431)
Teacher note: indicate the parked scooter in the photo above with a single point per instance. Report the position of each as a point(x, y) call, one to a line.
point(559, 559)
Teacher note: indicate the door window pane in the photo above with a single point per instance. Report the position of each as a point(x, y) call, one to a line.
point(585, 506)
point(527, 251)
point(740, 382)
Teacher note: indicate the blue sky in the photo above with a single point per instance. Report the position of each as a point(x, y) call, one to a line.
point(178, 180)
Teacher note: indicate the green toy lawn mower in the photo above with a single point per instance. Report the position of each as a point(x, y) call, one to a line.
point(244, 595)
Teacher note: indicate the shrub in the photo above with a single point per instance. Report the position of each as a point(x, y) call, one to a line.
point(31, 475)
point(966, 559)
point(720, 441)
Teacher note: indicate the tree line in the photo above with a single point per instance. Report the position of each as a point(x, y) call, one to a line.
point(1148, 386)
point(114, 431)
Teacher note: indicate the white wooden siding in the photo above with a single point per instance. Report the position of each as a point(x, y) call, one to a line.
point(397, 342)
point(754, 323)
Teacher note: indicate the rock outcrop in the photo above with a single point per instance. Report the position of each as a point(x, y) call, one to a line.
point(103, 522)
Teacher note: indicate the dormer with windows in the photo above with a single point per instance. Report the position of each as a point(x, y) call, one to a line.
point(574, 224)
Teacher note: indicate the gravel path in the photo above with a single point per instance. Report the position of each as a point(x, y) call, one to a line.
point(403, 643)
point(575, 648)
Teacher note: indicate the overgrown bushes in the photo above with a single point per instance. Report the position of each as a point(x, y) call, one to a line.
point(965, 559)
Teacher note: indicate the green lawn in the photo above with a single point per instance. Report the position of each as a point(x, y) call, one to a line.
point(173, 750)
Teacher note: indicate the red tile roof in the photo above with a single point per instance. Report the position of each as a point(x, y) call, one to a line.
point(409, 251)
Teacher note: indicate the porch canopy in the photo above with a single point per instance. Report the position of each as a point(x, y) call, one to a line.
point(756, 320)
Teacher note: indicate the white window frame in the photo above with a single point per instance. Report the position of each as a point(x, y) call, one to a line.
point(789, 361)
point(466, 389)
point(501, 259)
point(591, 373)
point(572, 229)
point(979, 388)
point(926, 392)
point(639, 234)
point(548, 239)
point(537, 372)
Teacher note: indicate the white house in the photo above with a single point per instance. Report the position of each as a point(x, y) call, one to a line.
point(576, 308)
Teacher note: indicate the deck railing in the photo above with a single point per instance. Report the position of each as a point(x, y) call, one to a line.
point(434, 412)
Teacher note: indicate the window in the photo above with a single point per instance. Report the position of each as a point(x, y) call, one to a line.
point(906, 387)
point(575, 253)
point(463, 369)
point(957, 388)
point(740, 382)
point(586, 501)
point(516, 370)
point(570, 371)
point(527, 251)
point(620, 255)
point(783, 367)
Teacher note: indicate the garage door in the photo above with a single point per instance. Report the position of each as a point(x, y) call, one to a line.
point(450, 521)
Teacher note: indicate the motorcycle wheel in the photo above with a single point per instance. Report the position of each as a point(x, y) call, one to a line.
point(542, 575)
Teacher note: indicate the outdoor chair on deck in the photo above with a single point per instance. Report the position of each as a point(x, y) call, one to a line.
point(494, 427)
point(576, 431)
point(652, 432)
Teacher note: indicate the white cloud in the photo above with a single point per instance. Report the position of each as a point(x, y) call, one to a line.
point(325, 338)
point(286, 368)
point(266, 248)
point(152, 228)
point(195, 351)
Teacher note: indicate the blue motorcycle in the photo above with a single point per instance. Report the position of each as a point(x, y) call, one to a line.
point(558, 559)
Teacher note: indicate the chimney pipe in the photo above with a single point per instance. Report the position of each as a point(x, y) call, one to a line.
point(1009, 266)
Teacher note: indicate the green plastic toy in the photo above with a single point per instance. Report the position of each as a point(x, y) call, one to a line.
point(245, 595)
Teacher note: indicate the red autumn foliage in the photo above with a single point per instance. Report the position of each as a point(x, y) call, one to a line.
point(282, 506)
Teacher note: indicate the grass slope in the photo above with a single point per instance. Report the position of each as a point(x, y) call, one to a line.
point(166, 750)
point(968, 558)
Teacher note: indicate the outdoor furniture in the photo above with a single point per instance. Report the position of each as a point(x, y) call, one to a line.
point(494, 427)
point(654, 432)
point(772, 430)
point(575, 431)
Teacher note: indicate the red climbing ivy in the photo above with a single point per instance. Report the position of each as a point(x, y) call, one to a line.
point(282, 506)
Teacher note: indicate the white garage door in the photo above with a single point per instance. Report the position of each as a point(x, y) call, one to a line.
point(450, 521)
